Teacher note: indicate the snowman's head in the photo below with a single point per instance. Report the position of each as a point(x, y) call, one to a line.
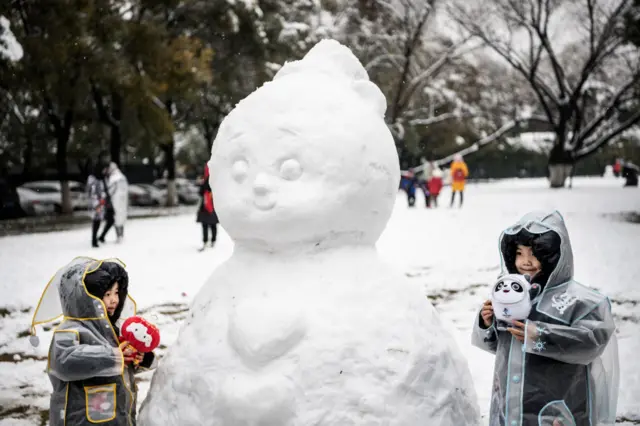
point(307, 159)
point(511, 290)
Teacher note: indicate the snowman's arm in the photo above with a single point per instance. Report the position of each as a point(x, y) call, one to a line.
point(484, 338)
point(69, 360)
point(578, 343)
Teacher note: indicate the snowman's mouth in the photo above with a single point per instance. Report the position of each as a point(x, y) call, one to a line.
point(264, 203)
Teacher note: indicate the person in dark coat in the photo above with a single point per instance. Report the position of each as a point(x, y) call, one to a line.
point(560, 366)
point(207, 216)
point(630, 173)
point(97, 196)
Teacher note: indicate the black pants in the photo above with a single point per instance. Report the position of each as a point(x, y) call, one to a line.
point(453, 197)
point(95, 227)
point(109, 218)
point(432, 200)
point(205, 232)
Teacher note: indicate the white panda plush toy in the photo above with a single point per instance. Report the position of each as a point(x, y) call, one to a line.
point(512, 297)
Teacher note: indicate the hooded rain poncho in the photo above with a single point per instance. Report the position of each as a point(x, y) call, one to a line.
point(567, 369)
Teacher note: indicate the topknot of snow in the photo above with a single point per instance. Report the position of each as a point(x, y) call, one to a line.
point(327, 57)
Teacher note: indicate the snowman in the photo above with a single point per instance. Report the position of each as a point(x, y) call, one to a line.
point(304, 324)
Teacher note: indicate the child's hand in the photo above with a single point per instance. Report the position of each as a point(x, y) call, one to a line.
point(517, 330)
point(127, 352)
point(487, 313)
point(138, 358)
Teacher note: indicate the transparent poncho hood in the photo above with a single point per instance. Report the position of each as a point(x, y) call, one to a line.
point(66, 295)
point(537, 223)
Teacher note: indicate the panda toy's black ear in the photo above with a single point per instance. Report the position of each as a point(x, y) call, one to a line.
point(534, 291)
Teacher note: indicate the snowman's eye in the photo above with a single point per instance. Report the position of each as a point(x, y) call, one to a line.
point(239, 170)
point(290, 169)
point(516, 287)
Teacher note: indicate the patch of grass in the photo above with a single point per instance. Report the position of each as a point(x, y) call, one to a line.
point(19, 411)
point(623, 419)
point(44, 417)
point(25, 412)
point(25, 333)
point(624, 302)
point(632, 217)
point(8, 357)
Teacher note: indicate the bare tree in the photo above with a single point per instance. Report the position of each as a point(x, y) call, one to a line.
point(406, 57)
point(584, 87)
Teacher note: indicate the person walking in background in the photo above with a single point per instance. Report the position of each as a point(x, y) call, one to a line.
point(459, 173)
point(97, 201)
point(119, 191)
point(117, 201)
point(435, 186)
point(207, 216)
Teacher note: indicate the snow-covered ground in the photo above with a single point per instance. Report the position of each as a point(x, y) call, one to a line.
point(452, 253)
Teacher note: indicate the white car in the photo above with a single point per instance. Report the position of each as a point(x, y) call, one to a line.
point(158, 195)
point(49, 192)
point(139, 196)
point(188, 193)
point(33, 204)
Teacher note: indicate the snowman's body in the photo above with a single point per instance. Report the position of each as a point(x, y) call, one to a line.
point(512, 297)
point(304, 325)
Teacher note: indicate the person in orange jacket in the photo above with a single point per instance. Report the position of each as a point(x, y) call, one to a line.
point(459, 173)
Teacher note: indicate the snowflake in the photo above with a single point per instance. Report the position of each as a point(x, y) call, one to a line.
point(539, 346)
point(540, 329)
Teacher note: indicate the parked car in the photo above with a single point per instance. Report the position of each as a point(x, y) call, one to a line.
point(159, 196)
point(188, 193)
point(33, 204)
point(140, 196)
point(49, 191)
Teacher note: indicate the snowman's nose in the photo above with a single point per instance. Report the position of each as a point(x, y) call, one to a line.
point(260, 185)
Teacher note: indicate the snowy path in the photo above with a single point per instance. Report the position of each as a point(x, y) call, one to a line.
point(451, 253)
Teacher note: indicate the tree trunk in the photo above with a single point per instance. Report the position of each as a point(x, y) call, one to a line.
point(560, 162)
point(558, 174)
point(27, 159)
point(170, 166)
point(61, 165)
point(115, 146)
point(209, 134)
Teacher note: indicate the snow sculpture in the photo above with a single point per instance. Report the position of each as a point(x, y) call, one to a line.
point(304, 325)
point(512, 297)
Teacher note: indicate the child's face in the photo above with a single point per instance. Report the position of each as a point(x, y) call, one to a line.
point(111, 299)
point(526, 262)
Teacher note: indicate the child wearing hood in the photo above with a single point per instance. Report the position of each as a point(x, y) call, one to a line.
point(559, 367)
point(91, 372)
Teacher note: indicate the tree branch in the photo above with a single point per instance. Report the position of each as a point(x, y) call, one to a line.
point(607, 137)
point(104, 115)
point(609, 109)
point(475, 146)
point(439, 118)
point(429, 72)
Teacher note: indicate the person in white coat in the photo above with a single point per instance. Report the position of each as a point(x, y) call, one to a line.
point(118, 188)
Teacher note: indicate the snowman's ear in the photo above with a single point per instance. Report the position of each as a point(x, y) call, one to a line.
point(372, 95)
point(289, 68)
